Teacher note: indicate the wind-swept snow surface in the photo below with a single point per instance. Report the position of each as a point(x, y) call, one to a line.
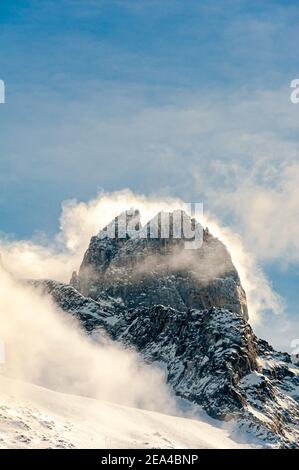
point(34, 417)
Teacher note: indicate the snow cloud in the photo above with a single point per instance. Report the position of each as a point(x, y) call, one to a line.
point(46, 347)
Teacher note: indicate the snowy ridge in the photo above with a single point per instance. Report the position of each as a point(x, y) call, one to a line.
point(34, 417)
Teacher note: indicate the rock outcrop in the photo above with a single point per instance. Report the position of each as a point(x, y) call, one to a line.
point(144, 270)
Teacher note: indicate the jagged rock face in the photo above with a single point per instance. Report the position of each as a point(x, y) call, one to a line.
point(151, 271)
point(207, 352)
point(90, 313)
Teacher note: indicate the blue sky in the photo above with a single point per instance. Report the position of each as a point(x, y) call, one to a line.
point(187, 99)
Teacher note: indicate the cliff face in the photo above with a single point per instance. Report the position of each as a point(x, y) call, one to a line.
point(186, 310)
point(144, 271)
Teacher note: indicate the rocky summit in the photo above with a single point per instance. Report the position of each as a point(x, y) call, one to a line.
point(185, 310)
point(145, 270)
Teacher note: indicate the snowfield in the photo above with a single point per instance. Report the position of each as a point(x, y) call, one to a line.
point(35, 417)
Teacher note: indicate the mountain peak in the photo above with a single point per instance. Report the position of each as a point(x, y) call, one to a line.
point(186, 309)
point(151, 265)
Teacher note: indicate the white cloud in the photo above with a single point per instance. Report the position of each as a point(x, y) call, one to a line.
point(261, 296)
point(266, 215)
point(46, 347)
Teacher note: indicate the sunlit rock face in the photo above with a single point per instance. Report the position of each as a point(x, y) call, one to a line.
point(147, 271)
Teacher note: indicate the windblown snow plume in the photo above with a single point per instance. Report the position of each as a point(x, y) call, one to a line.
point(46, 347)
point(260, 295)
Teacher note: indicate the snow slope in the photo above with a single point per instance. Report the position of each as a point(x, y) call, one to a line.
point(35, 417)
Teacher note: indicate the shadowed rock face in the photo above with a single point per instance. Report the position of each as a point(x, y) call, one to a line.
point(145, 271)
point(186, 310)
